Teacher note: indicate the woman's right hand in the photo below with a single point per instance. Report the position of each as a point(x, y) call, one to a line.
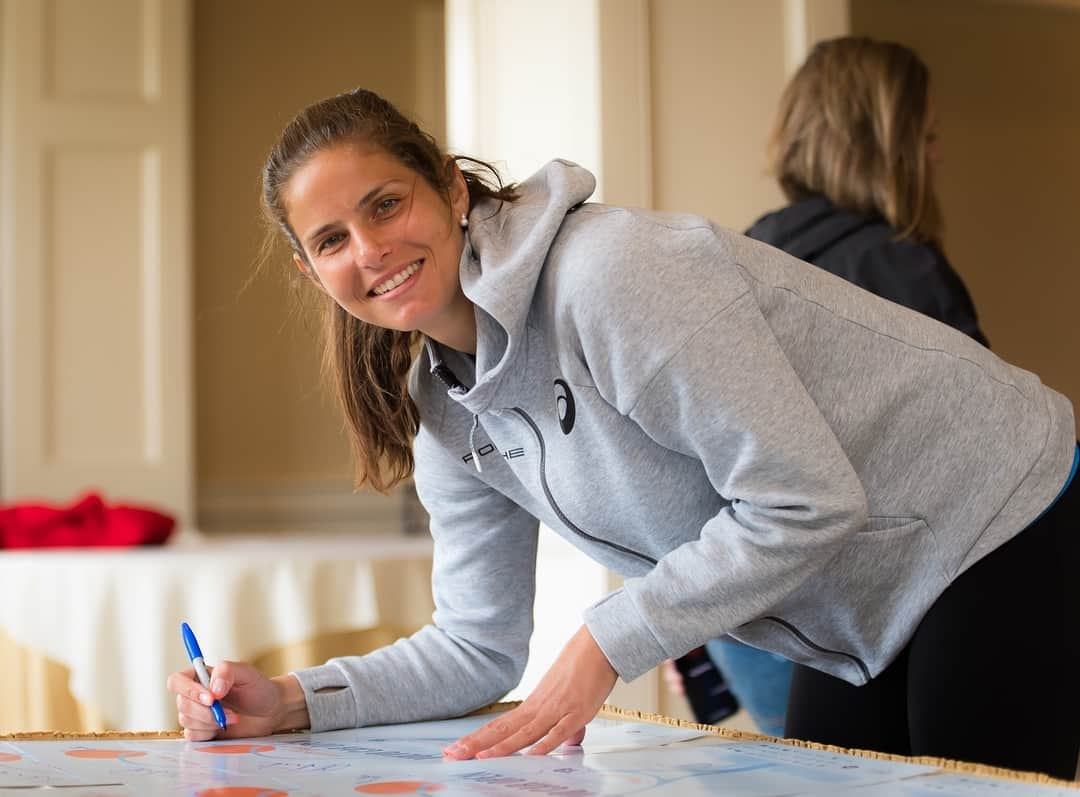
point(254, 704)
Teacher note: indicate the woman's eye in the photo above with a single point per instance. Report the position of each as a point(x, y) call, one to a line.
point(329, 242)
point(386, 206)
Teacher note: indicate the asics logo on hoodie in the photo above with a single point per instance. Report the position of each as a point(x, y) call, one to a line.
point(564, 403)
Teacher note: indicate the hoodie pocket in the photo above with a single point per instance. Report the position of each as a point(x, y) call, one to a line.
point(855, 615)
point(886, 563)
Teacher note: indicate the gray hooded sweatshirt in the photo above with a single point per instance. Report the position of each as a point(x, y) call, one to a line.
point(760, 448)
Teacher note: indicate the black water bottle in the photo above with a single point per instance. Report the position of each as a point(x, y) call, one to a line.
point(706, 689)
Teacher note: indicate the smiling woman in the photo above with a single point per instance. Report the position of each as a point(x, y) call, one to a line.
point(405, 214)
point(756, 447)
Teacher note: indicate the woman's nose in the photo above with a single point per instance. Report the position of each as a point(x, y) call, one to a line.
point(368, 248)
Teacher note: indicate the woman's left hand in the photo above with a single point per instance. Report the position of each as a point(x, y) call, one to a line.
point(568, 696)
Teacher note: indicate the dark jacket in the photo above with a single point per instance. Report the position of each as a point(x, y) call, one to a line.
point(865, 251)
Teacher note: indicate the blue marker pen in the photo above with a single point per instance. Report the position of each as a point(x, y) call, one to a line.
point(195, 655)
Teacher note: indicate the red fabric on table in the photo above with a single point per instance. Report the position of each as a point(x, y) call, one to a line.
point(86, 523)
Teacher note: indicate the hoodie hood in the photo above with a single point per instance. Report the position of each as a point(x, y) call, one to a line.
point(809, 227)
point(506, 246)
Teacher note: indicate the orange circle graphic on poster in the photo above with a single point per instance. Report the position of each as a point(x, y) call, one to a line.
point(399, 787)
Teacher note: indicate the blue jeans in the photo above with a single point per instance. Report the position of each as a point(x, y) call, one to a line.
point(759, 680)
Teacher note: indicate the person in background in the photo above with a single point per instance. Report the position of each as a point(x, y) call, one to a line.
point(757, 447)
point(854, 148)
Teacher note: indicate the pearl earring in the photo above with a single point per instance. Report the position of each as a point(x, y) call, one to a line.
point(464, 221)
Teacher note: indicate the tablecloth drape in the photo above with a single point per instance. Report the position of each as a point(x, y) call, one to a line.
point(88, 637)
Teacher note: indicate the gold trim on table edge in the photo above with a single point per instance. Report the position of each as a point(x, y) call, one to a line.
point(614, 712)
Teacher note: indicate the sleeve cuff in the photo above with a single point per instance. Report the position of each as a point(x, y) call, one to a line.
point(624, 636)
point(331, 703)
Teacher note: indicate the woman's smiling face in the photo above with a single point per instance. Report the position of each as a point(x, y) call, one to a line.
point(382, 242)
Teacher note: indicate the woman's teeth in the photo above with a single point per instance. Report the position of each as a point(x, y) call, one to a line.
point(397, 279)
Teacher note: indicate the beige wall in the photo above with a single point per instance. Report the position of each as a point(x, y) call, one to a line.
point(1005, 77)
point(717, 74)
point(261, 415)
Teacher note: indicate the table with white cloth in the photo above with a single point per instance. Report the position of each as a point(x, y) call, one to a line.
point(88, 636)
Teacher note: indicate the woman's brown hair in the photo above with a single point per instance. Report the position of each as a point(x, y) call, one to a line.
point(367, 366)
point(852, 125)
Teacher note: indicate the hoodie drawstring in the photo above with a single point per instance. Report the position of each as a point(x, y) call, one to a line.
point(455, 386)
point(472, 443)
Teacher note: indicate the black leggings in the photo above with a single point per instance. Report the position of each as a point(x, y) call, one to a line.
point(992, 674)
